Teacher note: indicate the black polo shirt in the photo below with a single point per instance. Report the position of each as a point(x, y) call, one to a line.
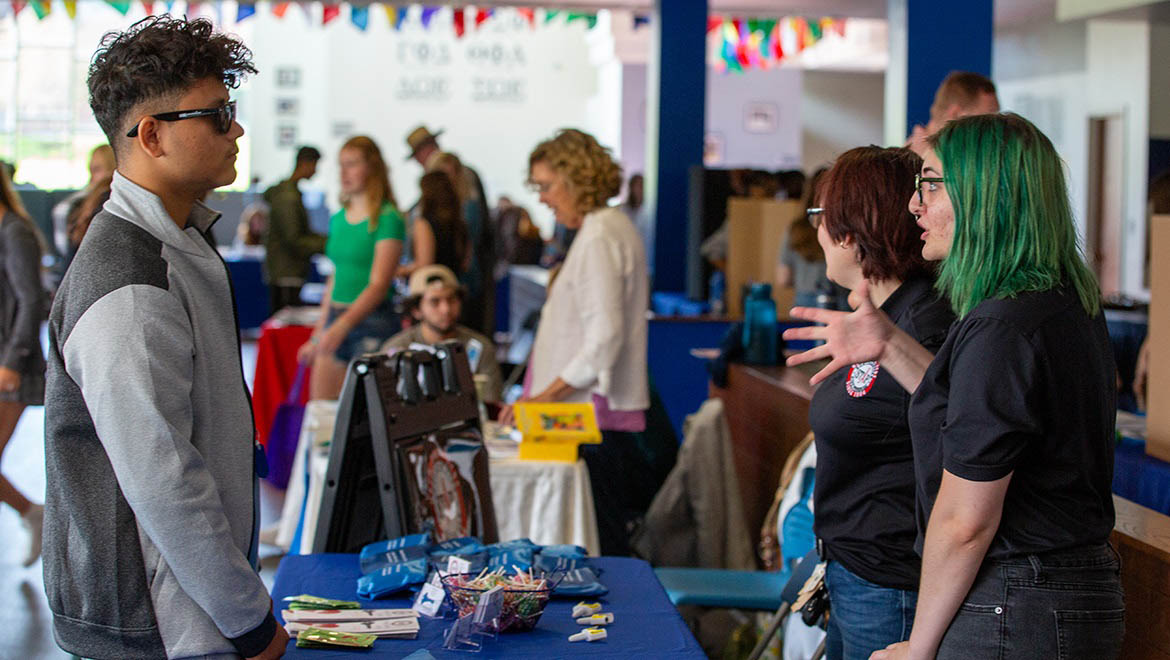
point(1024, 386)
point(864, 495)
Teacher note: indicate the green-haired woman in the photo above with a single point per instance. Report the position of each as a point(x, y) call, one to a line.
point(1012, 422)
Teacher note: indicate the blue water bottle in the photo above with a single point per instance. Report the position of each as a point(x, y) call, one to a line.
point(716, 288)
point(759, 326)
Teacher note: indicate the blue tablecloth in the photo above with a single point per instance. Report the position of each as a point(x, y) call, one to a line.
point(645, 624)
point(1139, 477)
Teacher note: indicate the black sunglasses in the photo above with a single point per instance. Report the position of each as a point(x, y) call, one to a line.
point(224, 116)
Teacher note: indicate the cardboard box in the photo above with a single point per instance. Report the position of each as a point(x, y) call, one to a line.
point(1158, 383)
point(755, 229)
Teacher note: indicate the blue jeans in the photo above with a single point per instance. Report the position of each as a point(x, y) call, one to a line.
point(1065, 606)
point(864, 617)
point(369, 334)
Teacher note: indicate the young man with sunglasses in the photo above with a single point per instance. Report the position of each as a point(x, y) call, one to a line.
point(151, 516)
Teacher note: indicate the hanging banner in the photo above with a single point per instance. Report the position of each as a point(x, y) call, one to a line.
point(148, 6)
point(550, 14)
point(481, 16)
point(396, 15)
point(41, 8)
point(457, 21)
point(280, 8)
point(71, 8)
point(245, 10)
point(329, 12)
point(528, 14)
point(122, 6)
point(360, 17)
point(428, 13)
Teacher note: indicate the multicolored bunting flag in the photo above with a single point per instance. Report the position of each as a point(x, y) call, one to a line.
point(42, 8)
point(713, 23)
point(192, 7)
point(396, 15)
point(481, 16)
point(360, 17)
point(528, 14)
point(245, 10)
point(590, 19)
point(457, 21)
point(550, 14)
point(428, 14)
point(148, 6)
point(279, 8)
point(170, 4)
point(330, 12)
point(642, 20)
point(71, 8)
point(122, 6)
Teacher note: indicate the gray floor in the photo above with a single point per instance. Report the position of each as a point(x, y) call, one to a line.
point(26, 630)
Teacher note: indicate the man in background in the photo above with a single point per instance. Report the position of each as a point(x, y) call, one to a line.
point(961, 94)
point(436, 300)
point(289, 243)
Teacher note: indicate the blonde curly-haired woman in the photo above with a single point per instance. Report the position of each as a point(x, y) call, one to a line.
point(591, 343)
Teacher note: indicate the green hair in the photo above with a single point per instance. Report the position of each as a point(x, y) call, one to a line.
point(1014, 229)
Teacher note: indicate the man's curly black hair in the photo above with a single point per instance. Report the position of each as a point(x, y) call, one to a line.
point(155, 58)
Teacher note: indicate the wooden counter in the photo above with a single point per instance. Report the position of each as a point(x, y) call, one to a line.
point(767, 412)
point(1142, 538)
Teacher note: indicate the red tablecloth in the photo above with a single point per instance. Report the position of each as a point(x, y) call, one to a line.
point(276, 367)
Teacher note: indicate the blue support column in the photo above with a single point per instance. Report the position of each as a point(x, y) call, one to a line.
point(929, 39)
point(675, 111)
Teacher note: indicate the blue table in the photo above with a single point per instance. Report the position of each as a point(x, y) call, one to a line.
point(1139, 477)
point(645, 624)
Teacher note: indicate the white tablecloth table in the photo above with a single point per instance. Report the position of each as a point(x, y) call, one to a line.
point(549, 502)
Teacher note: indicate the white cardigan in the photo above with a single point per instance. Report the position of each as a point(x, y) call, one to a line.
point(593, 328)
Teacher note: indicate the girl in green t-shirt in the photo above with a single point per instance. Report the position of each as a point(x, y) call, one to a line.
point(365, 242)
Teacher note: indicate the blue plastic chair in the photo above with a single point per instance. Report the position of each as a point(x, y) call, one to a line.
point(749, 590)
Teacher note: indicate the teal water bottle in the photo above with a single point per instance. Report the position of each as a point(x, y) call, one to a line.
point(760, 343)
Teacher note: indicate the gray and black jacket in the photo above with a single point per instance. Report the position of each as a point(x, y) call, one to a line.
point(150, 513)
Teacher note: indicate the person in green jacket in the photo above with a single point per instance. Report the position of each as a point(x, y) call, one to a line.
point(289, 242)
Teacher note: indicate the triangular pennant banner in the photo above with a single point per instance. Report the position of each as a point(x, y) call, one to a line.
point(550, 14)
point(457, 21)
point(192, 7)
point(280, 8)
point(713, 22)
point(428, 14)
point(18, 5)
point(41, 8)
point(395, 15)
point(71, 8)
point(528, 14)
point(481, 16)
point(360, 17)
point(148, 6)
point(245, 11)
point(642, 20)
point(330, 12)
point(122, 6)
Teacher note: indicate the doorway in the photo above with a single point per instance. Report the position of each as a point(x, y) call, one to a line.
point(1103, 226)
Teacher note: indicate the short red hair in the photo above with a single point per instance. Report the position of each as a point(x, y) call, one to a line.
point(866, 197)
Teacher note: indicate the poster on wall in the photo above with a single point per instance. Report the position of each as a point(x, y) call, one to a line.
point(713, 146)
point(761, 117)
point(288, 77)
point(286, 135)
point(288, 106)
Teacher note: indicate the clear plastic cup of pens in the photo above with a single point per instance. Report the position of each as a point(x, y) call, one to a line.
point(523, 596)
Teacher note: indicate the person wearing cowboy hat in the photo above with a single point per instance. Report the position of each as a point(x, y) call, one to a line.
point(436, 300)
point(424, 149)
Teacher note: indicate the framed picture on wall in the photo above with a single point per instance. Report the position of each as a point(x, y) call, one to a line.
point(286, 135)
point(288, 106)
point(761, 117)
point(288, 77)
point(713, 149)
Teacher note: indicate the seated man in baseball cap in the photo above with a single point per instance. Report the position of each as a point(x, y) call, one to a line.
point(436, 300)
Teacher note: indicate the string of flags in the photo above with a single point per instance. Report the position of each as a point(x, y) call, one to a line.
point(462, 17)
point(750, 43)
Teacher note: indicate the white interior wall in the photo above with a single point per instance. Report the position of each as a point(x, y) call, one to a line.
point(496, 93)
point(839, 111)
point(1061, 75)
point(1159, 80)
point(731, 96)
